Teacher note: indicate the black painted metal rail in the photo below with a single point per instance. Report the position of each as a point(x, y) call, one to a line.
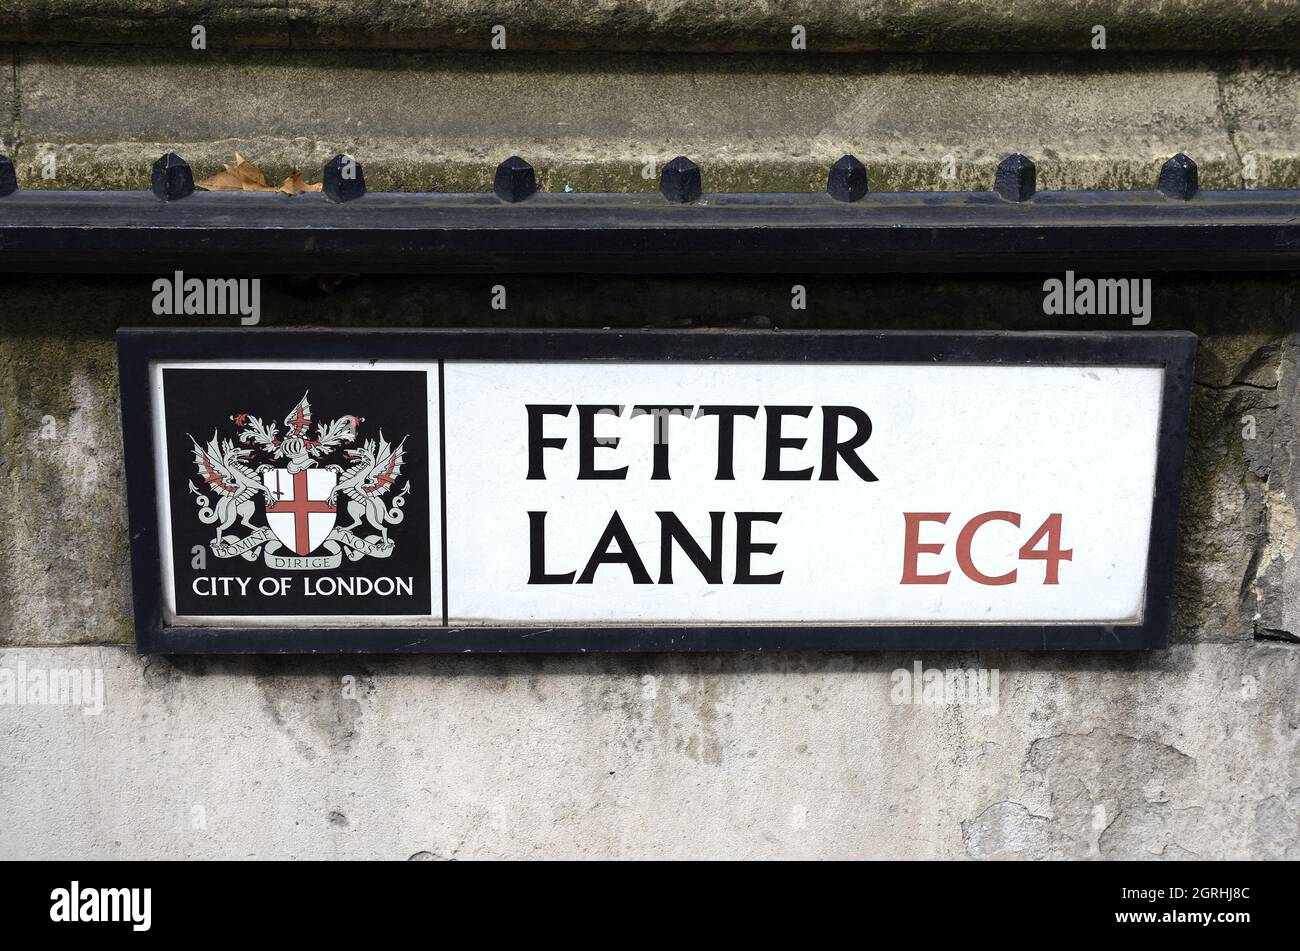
point(678, 231)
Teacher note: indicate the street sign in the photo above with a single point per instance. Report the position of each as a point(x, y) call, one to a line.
point(573, 491)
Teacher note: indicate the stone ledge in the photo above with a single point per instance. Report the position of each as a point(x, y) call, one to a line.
point(663, 25)
point(440, 122)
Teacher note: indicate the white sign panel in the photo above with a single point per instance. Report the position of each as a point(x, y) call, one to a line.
point(834, 493)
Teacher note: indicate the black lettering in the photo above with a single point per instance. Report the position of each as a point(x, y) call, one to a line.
point(745, 547)
point(776, 442)
point(615, 531)
point(537, 553)
point(588, 443)
point(727, 435)
point(536, 441)
point(833, 447)
point(660, 415)
point(672, 530)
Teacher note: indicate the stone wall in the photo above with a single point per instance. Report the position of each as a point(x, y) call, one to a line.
point(832, 26)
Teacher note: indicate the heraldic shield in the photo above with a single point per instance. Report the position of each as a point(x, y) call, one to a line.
point(299, 510)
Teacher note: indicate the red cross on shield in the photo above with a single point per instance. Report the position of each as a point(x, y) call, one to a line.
point(300, 516)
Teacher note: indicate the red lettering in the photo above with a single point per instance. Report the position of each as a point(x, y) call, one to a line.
point(1050, 531)
point(1048, 536)
point(967, 537)
point(912, 547)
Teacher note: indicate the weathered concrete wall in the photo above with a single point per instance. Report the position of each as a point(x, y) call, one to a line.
point(1186, 753)
point(1190, 752)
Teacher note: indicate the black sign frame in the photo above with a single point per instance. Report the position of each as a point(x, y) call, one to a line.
point(138, 348)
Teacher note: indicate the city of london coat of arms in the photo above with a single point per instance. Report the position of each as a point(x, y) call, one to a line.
point(276, 495)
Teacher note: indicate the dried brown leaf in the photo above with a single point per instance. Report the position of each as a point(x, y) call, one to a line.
point(295, 185)
point(246, 177)
point(248, 173)
point(222, 182)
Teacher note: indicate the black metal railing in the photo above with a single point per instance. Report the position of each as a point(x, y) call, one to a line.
point(683, 229)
